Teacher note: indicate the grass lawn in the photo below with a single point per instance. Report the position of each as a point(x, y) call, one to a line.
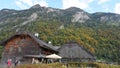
point(69, 65)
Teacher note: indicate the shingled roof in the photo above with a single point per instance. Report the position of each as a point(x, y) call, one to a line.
point(74, 50)
point(40, 42)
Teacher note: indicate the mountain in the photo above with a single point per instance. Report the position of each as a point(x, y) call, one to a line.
point(19, 18)
point(98, 32)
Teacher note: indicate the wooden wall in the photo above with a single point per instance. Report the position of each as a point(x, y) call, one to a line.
point(20, 45)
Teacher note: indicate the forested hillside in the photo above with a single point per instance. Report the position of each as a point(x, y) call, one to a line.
point(97, 32)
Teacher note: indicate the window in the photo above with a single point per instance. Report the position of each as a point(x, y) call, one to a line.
point(11, 48)
point(19, 49)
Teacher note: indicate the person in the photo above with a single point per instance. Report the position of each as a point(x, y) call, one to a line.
point(17, 62)
point(36, 61)
point(33, 60)
point(9, 63)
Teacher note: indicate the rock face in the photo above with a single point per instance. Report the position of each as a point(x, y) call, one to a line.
point(19, 18)
point(106, 17)
point(80, 17)
point(36, 6)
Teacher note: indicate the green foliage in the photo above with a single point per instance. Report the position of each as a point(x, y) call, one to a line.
point(1, 50)
point(103, 42)
point(69, 65)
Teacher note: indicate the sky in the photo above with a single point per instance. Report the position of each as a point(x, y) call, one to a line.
point(91, 6)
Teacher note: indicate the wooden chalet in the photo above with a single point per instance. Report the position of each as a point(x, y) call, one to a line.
point(73, 52)
point(25, 44)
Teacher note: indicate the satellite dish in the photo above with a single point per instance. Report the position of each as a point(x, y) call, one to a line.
point(49, 42)
point(36, 34)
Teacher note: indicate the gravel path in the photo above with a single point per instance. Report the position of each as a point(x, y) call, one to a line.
point(3, 66)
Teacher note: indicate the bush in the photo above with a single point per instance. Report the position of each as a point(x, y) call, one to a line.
point(69, 65)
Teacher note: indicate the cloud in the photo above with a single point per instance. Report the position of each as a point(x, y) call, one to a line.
point(23, 4)
point(29, 2)
point(105, 8)
point(20, 5)
point(102, 1)
point(76, 3)
point(41, 2)
point(117, 8)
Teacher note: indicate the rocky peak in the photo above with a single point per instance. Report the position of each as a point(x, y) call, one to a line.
point(80, 17)
point(7, 10)
point(74, 9)
point(106, 17)
point(36, 6)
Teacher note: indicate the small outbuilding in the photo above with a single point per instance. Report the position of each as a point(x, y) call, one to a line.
point(73, 52)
